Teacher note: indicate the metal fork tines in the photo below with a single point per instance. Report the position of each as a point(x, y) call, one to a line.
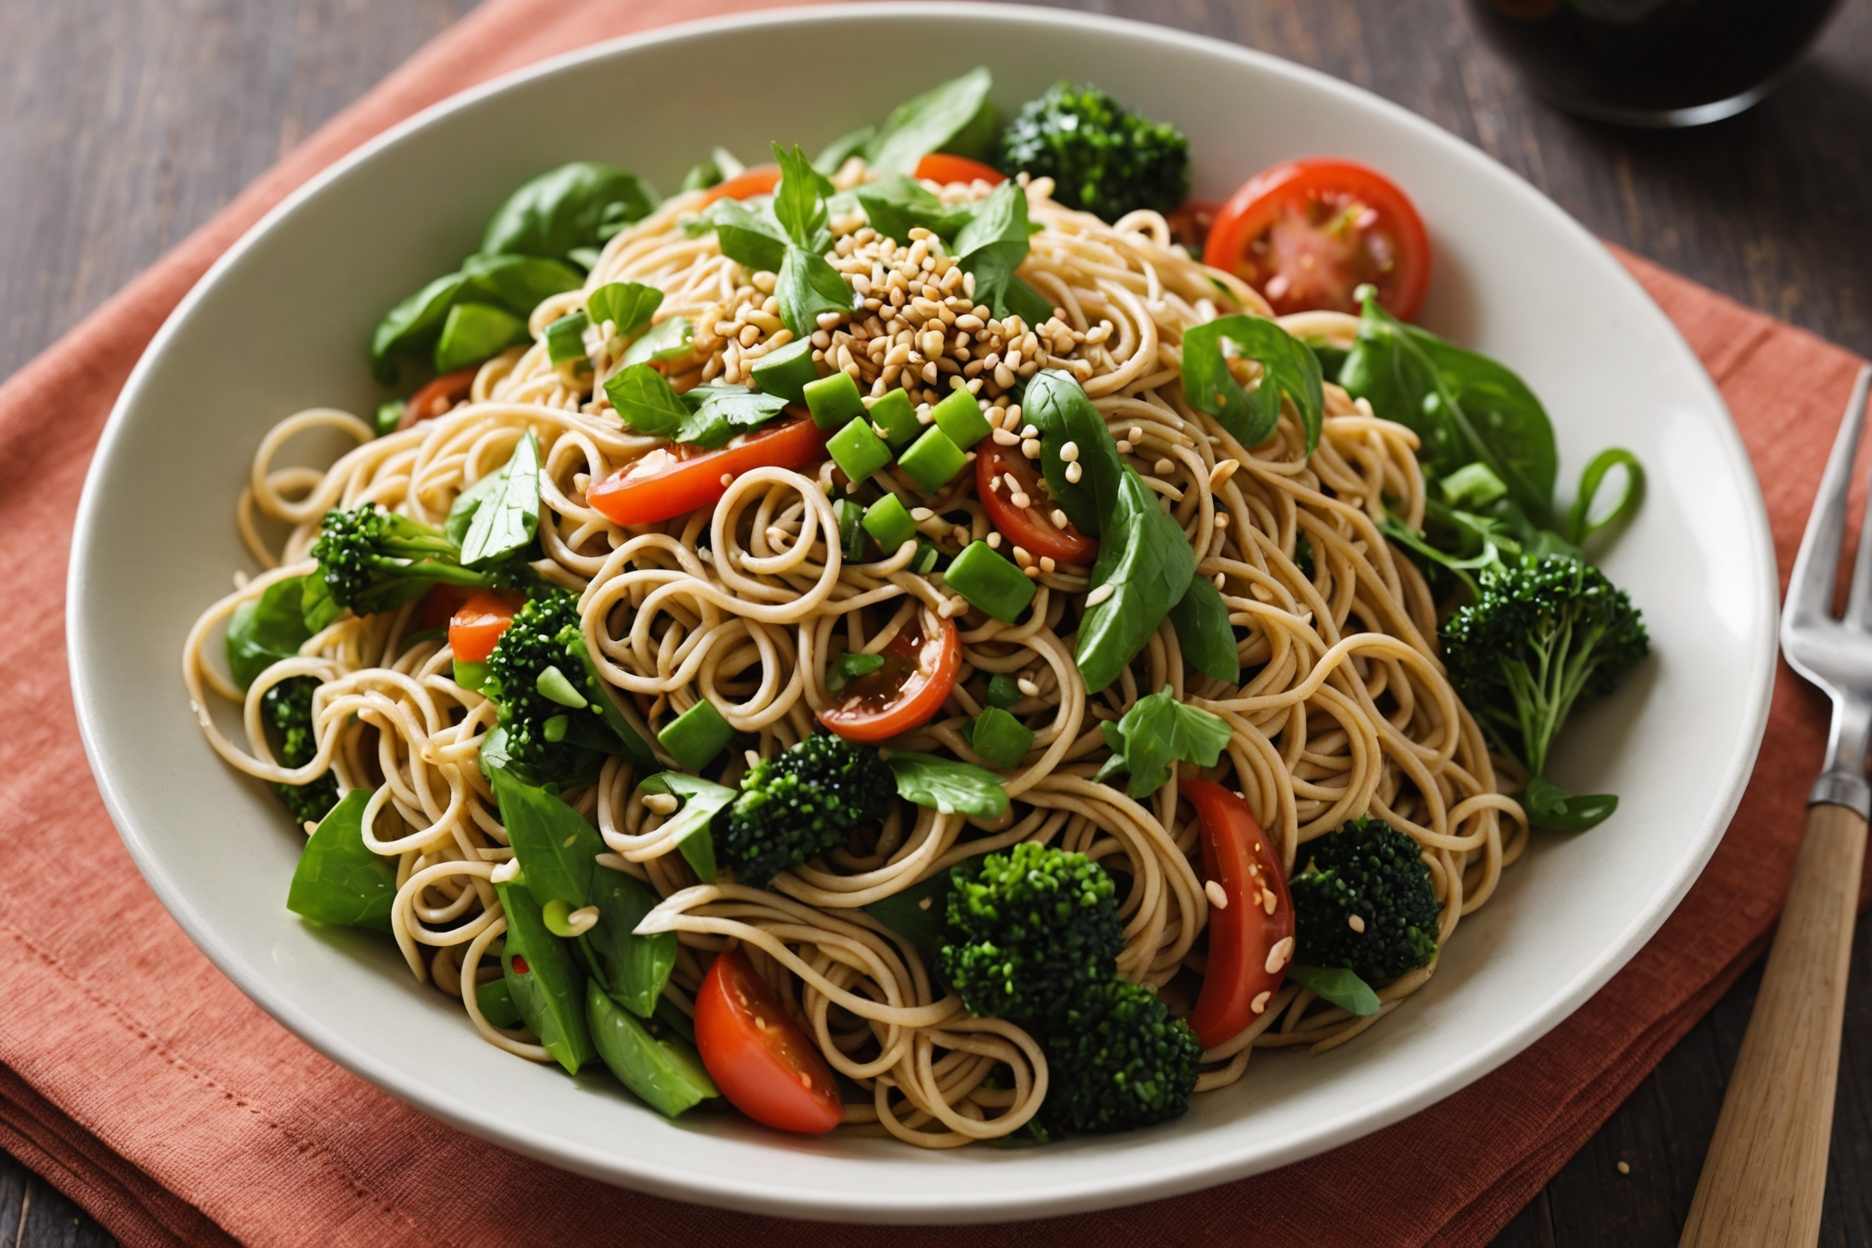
point(1835, 652)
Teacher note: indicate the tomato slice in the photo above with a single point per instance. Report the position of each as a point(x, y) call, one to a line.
point(920, 669)
point(759, 180)
point(436, 398)
point(436, 606)
point(479, 622)
point(759, 1058)
point(1190, 224)
point(1236, 855)
point(943, 167)
point(1307, 233)
point(676, 480)
point(1032, 526)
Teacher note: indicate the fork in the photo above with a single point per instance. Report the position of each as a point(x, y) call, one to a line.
point(1765, 1173)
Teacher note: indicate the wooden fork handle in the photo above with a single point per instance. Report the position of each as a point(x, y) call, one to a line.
point(1765, 1174)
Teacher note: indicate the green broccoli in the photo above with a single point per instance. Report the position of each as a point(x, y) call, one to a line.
point(1364, 901)
point(1116, 1060)
point(287, 709)
point(1029, 931)
point(1102, 157)
point(557, 718)
point(801, 803)
point(373, 560)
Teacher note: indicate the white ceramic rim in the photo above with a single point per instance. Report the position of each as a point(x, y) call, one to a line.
point(750, 1192)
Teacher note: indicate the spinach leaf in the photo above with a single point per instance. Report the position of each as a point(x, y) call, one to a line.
point(621, 729)
point(548, 991)
point(645, 401)
point(953, 117)
point(1157, 732)
point(414, 324)
point(1203, 631)
point(517, 283)
point(627, 305)
point(264, 630)
point(718, 413)
point(946, 785)
point(497, 1003)
point(702, 801)
point(339, 881)
point(670, 340)
point(1055, 404)
point(474, 331)
point(893, 204)
point(316, 603)
point(1287, 368)
point(507, 517)
point(1550, 806)
point(557, 849)
point(993, 243)
point(916, 914)
point(1147, 561)
point(808, 287)
point(633, 968)
point(664, 1073)
point(576, 205)
point(750, 236)
point(799, 199)
point(1337, 985)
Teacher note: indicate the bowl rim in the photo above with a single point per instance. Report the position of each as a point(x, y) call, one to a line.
point(749, 1191)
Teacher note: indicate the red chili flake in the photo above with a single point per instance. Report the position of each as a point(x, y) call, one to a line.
point(520, 966)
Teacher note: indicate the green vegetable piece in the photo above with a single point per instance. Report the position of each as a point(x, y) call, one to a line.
point(565, 338)
point(1157, 732)
point(917, 915)
point(575, 205)
point(554, 687)
point(506, 518)
point(547, 992)
point(933, 460)
point(496, 1003)
point(850, 666)
point(787, 370)
point(1146, 559)
point(802, 802)
point(557, 849)
point(1003, 691)
point(645, 401)
point(665, 1074)
point(1370, 871)
point(838, 151)
point(389, 417)
point(1288, 369)
point(413, 324)
point(850, 516)
point(1473, 486)
point(1122, 1061)
point(833, 401)
point(1102, 157)
point(717, 413)
point(889, 521)
point(473, 332)
point(927, 557)
point(954, 116)
point(702, 801)
point(1204, 632)
point(895, 414)
point(264, 630)
point(858, 451)
point(666, 340)
point(628, 306)
point(749, 235)
point(1338, 985)
point(947, 785)
point(633, 969)
point(339, 881)
point(558, 919)
point(1000, 739)
point(1030, 930)
point(960, 416)
point(470, 676)
point(555, 728)
point(695, 737)
point(990, 581)
point(895, 205)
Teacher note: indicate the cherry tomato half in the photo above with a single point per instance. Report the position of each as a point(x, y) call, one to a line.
point(920, 668)
point(479, 622)
point(759, 1058)
point(436, 398)
point(1236, 855)
point(1307, 233)
point(760, 180)
point(438, 605)
point(942, 167)
point(1190, 224)
point(676, 480)
point(1032, 526)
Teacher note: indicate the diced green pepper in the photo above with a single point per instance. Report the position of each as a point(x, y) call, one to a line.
point(990, 582)
point(960, 416)
point(696, 736)
point(857, 450)
point(1000, 739)
point(888, 520)
point(896, 416)
point(933, 460)
point(470, 676)
point(786, 371)
point(833, 401)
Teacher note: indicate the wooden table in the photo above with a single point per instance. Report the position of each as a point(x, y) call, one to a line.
point(123, 126)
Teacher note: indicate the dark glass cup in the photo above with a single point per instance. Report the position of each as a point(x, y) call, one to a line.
point(1652, 62)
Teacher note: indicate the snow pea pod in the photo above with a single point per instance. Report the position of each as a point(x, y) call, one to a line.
point(665, 1073)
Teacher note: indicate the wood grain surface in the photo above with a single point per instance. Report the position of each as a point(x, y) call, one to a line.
point(126, 123)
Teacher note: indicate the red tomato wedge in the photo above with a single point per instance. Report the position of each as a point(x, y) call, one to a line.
point(759, 1058)
point(436, 606)
point(436, 398)
point(1031, 526)
point(1237, 856)
point(1307, 233)
point(479, 622)
point(760, 180)
point(676, 480)
point(1190, 224)
point(920, 669)
point(942, 167)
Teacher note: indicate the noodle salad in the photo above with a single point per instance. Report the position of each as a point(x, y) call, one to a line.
point(948, 637)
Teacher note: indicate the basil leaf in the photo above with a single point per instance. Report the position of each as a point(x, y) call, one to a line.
point(993, 244)
point(497, 1003)
point(557, 849)
point(894, 204)
point(1026, 302)
point(507, 518)
point(1337, 985)
point(633, 968)
point(645, 401)
point(750, 236)
point(834, 154)
point(264, 630)
point(468, 502)
point(474, 331)
point(953, 117)
point(1157, 732)
point(1287, 368)
point(339, 881)
point(1145, 558)
point(916, 914)
point(718, 413)
point(702, 801)
point(1204, 633)
point(799, 198)
point(585, 257)
point(549, 992)
point(517, 283)
point(808, 287)
point(413, 324)
point(1055, 404)
point(1550, 806)
point(946, 785)
point(576, 205)
point(627, 305)
point(668, 341)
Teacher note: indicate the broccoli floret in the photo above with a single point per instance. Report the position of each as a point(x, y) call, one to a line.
point(374, 560)
point(801, 803)
point(1116, 1059)
point(1102, 157)
point(550, 704)
point(1543, 633)
point(287, 709)
point(1030, 931)
point(1370, 872)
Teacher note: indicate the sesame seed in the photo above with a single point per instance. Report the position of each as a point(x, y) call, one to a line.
point(1268, 900)
point(1059, 518)
point(1220, 580)
point(1356, 923)
point(1023, 501)
point(1135, 433)
point(994, 541)
point(727, 479)
point(1030, 431)
point(1222, 472)
point(1030, 447)
point(1026, 685)
point(1069, 453)
point(1279, 955)
point(1100, 595)
point(1222, 520)
point(1124, 446)
point(1260, 1003)
point(1073, 473)
point(1218, 896)
point(1047, 563)
point(1624, 1167)
point(1003, 438)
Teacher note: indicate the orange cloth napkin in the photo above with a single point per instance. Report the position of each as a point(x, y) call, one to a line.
point(147, 1088)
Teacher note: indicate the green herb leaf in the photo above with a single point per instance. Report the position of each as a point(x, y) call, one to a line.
point(1337, 985)
point(1055, 404)
point(339, 881)
point(953, 117)
point(468, 502)
point(1288, 368)
point(565, 338)
point(472, 332)
point(852, 143)
point(1552, 807)
point(264, 630)
point(414, 324)
point(808, 287)
point(506, 520)
point(702, 801)
point(993, 244)
point(550, 991)
point(946, 785)
point(1145, 558)
point(632, 968)
point(799, 199)
point(557, 849)
point(517, 283)
point(1158, 732)
point(645, 401)
point(894, 204)
point(1204, 633)
point(718, 413)
point(576, 205)
point(670, 340)
point(749, 235)
point(628, 305)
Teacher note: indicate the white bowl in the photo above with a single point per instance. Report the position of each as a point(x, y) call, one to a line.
point(280, 324)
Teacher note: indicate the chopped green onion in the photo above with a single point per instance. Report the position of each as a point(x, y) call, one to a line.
point(857, 450)
point(933, 460)
point(1473, 485)
point(990, 582)
point(833, 401)
point(565, 338)
point(1002, 691)
point(1000, 739)
point(849, 667)
point(786, 371)
point(696, 736)
point(888, 520)
point(896, 416)
point(554, 729)
point(960, 416)
point(851, 528)
point(390, 417)
point(554, 687)
point(557, 914)
point(927, 556)
point(470, 676)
